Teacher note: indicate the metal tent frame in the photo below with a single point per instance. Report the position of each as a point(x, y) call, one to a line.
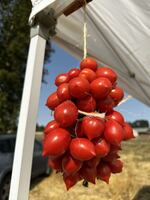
point(42, 24)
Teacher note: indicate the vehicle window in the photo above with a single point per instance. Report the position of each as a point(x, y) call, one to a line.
point(5, 146)
point(37, 147)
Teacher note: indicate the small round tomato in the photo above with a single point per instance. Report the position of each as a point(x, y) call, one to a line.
point(89, 63)
point(100, 88)
point(51, 126)
point(56, 143)
point(104, 172)
point(117, 94)
point(93, 127)
point(115, 116)
point(107, 73)
point(66, 114)
point(61, 78)
point(53, 101)
point(102, 148)
point(82, 149)
point(88, 104)
point(105, 105)
point(74, 73)
point(128, 131)
point(113, 132)
point(79, 87)
point(63, 92)
point(88, 74)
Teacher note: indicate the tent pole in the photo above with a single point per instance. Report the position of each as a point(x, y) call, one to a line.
point(21, 172)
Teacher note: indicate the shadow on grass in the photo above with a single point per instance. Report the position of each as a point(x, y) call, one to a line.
point(143, 193)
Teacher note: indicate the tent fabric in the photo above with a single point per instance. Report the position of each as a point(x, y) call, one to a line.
point(118, 35)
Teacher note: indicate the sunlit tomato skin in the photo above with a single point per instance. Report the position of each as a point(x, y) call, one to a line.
point(70, 165)
point(74, 73)
point(61, 78)
point(117, 94)
point(53, 101)
point(105, 105)
point(66, 114)
point(79, 87)
point(51, 126)
point(100, 88)
point(88, 173)
point(93, 127)
point(102, 148)
point(115, 116)
point(103, 172)
point(113, 132)
point(63, 92)
point(116, 166)
point(128, 131)
point(89, 63)
point(82, 149)
point(88, 74)
point(88, 104)
point(107, 73)
point(55, 163)
point(56, 143)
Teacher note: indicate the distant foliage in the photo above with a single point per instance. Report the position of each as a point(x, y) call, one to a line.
point(14, 43)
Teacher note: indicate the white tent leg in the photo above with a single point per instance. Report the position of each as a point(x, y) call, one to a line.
point(27, 121)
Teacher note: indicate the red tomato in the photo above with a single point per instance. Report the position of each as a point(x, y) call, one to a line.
point(110, 157)
point(53, 101)
point(115, 148)
point(88, 74)
point(92, 163)
point(66, 114)
point(117, 94)
point(105, 105)
point(113, 132)
point(70, 165)
point(107, 73)
point(70, 180)
point(56, 143)
point(104, 172)
point(89, 63)
point(116, 166)
point(63, 92)
point(79, 87)
point(93, 127)
point(74, 73)
point(100, 88)
point(128, 132)
point(78, 130)
point(115, 116)
point(61, 78)
point(88, 104)
point(51, 126)
point(55, 164)
point(88, 174)
point(82, 149)
point(102, 148)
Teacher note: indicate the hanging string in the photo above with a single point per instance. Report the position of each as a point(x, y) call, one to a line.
point(85, 31)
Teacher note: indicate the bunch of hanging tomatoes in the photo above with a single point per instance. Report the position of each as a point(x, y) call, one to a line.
point(80, 143)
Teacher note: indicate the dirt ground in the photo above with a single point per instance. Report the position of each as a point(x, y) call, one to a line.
point(132, 183)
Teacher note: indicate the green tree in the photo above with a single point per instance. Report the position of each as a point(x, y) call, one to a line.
point(14, 43)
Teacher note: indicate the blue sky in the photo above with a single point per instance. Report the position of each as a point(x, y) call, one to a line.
point(61, 62)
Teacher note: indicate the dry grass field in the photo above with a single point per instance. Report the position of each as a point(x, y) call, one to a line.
point(132, 183)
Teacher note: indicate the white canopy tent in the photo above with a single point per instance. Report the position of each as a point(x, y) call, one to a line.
point(118, 35)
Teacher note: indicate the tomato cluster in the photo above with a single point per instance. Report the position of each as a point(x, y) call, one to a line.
point(80, 144)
